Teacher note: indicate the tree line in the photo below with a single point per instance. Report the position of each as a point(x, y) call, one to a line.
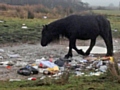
point(76, 5)
point(39, 8)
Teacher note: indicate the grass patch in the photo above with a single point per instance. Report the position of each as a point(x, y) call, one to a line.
point(107, 12)
point(11, 29)
point(75, 83)
point(114, 17)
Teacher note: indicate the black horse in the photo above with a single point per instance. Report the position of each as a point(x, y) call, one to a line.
point(79, 27)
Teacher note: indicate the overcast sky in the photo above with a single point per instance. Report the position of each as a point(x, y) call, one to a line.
point(102, 2)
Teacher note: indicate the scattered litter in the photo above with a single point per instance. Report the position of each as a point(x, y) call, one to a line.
point(48, 64)
point(119, 65)
point(8, 67)
point(83, 61)
point(1, 21)
point(27, 70)
point(6, 63)
point(79, 73)
point(115, 30)
point(1, 50)
point(1, 57)
point(24, 26)
point(43, 77)
point(33, 64)
point(57, 74)
point(32, 78)
point(59, 62)
point(21, 64)
point(24, 71)
point(14, 55)
point(46, 72)
point(103, 68)
point(15, 80)
point(95, 73)
point(37, 61)
point(45, 17)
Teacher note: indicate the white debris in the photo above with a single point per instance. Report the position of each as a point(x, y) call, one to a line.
point(24, 26)
point(21, 63)
point(79, 73)
point(5, 63)
point(119, 65)
point(1, 50)
point(57, 74)
point(15, 80)
point(14, 55)
point(36, 67)
point(43, 77)
point(103, 68)
point(1, 57)
point(37, 61)
point(45, 17)
point(1, 21)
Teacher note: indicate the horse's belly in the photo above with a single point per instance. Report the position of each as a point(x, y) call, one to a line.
point(83, 38)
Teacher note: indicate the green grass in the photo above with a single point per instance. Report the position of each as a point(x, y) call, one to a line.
point(114, 17)
point(107, 12)
point(11, 31)
point(75, 83)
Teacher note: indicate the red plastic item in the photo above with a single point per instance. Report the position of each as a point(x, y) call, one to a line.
point(33, 78)
point(51, 59)
point(41, 65)
point(8, 67)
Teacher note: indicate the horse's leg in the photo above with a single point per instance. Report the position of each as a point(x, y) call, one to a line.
point(92, 43)
point(79, 51)
point(109, 44)
point(72, 44)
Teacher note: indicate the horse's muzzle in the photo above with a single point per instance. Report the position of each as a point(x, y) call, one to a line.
point(43, 44)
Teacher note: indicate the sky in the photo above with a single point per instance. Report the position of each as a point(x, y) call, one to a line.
point(102, 2)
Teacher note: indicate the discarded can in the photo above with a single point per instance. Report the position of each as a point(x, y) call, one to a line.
point(111, 59)
point(32, 78)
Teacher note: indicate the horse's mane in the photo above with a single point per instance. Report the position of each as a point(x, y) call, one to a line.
point(58, 29)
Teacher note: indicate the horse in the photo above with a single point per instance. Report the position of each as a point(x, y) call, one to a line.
point(73, 27)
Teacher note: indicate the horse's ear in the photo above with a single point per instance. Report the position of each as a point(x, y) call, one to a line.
point(44, 26)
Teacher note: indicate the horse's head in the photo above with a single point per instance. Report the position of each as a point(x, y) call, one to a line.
point(48, 35)
point(45, 39)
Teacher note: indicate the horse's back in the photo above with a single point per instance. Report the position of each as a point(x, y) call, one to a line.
point(84, 27)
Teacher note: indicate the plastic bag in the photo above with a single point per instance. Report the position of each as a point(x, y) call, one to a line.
point(27, 70)
point(24, 71)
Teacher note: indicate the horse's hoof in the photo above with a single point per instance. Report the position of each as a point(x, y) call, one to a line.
point(67, 56)
point(86, 54)
point(81, 52)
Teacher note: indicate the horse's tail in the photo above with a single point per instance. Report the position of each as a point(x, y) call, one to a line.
point(110, 35)
point(106, 33)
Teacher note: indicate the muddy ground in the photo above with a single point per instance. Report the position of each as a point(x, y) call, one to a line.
point(30, 52)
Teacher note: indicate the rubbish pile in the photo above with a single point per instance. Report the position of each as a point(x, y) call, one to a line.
point(55, 67)
point(88, 66)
